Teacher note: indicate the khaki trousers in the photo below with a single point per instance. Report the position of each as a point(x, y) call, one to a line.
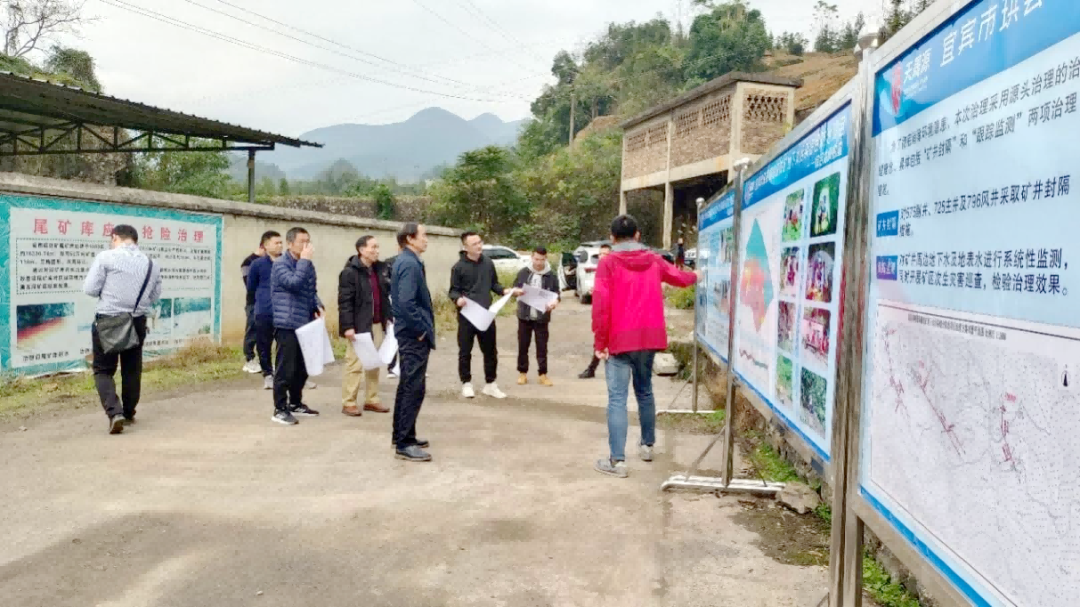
point(355, 375)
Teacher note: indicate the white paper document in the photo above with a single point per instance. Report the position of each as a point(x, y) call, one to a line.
point(389, 346)
point(478, 315)
point(495, 307)
point(540, 299)
point(364, 346)
point(315, 346)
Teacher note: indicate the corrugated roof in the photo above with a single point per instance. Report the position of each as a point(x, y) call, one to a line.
point(27, 102)
point(710, 87)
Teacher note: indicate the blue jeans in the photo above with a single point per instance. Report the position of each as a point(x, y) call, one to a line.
point(620, 369)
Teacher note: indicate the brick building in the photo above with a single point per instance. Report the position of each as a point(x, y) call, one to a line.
point(687, 146)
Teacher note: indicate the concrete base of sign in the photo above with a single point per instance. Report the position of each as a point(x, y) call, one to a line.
point(709, 484)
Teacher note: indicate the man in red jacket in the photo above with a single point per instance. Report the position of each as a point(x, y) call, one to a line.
point(628, 330)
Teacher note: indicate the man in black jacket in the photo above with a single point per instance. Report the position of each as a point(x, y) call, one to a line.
point(251, 365)
point(474, 277)
point(363, 307)
point(532, 321)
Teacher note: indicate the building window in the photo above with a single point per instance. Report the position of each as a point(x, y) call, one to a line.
point(687, 122)
point(717, 113)
point(762, 106)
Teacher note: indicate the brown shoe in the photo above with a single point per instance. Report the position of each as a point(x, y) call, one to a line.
point(351, 411)
point(522, 379)
point(544, 381)
point(376, 407)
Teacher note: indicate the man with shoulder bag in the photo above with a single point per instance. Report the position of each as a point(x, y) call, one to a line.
point(126, 284)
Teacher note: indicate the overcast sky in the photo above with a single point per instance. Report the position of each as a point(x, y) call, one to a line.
point(468, 56)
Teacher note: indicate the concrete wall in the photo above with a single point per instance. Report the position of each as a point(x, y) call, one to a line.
point(767, 114)
point(333, 236)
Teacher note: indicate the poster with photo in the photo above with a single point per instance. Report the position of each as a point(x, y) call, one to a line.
point(790, 250)
point(47, 246)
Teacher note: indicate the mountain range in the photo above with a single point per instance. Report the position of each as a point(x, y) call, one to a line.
point(406, 150)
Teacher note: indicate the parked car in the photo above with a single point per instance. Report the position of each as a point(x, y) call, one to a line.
point(577, 270)
point(505, 258)
point(691, 257)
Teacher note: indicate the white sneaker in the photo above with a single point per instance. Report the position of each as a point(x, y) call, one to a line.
point(268, 382)
point(252, 366)
point(467, 391)
point(493, 391)
point(311, 385)
point(646, 453)
point(391, 375)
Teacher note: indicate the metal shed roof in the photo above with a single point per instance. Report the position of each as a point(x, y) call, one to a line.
point(36, 114)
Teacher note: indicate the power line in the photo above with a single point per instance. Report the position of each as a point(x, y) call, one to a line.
point(468, 35)
point(238, 42)
point(334, 42)
point(494, 26)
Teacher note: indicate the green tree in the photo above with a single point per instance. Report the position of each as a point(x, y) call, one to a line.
point(828, 36)
point(730, 37)
point(283, 187)
point(385, 205)
point(195, 173)
point(849, 34)
point(76, 65)
point(479, 193)
point(792, 43)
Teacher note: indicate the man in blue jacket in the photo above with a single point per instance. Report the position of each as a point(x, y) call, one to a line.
point(295, 303)
point(414, 327)
point(258, 286)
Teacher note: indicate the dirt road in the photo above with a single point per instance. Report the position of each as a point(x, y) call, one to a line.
point(205, 502)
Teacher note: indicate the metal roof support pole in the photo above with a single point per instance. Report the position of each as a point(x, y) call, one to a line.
point(251, 176)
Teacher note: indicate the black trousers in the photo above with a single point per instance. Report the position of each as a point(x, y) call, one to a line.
point(290, 373)
point(264, 343)
point(594, 363)
point(466, 334)
point(249, 333)
point(526, 330)
point(130, 363)
point(412, 386)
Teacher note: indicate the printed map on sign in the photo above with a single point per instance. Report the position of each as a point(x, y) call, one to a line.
point(756, 285)
point(986, 409)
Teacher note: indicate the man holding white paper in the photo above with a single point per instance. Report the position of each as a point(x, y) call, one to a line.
point(295, 301)
point(474, 279)
point(363, 308)
point(541, 288)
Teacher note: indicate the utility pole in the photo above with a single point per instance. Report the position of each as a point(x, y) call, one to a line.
point(573, 105)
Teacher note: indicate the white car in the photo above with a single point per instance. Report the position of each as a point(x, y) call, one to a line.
point(505, 258)
point(577, 270)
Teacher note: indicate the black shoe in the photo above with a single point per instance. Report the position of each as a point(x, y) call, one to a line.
point(587, 374)
point(413, 453)
point(116, 424)
point(129, 420)
point(423, 444)
point(304, 411)
point(284, 417)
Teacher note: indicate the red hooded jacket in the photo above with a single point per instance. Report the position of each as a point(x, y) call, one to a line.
point(628, 301)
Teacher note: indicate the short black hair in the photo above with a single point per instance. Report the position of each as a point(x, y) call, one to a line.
point(540, 251)
point(465, 235)
point(126, 232)
point(291, 235)
point(363, 240)
point(407, 231)
point(605, 246)
point(267, 235)
point(624, 227)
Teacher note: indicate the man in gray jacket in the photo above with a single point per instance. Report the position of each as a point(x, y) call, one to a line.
point(124, 281)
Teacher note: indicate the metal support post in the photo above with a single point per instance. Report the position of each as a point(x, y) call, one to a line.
point(251, 176)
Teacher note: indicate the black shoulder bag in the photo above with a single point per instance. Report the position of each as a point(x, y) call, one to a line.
point(117, 333)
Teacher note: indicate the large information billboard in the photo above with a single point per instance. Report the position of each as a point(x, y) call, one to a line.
point(971, 412)
point(716, 245)
point(791, 244)
point(46, 248)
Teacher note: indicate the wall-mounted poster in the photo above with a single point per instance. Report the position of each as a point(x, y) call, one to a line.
point(46, 248)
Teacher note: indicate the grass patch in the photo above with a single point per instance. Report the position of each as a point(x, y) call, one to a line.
point(199, 362)
point(710, 423)
point(446, 310)
point(769, 464)
point(880, 586)
point(680, 299)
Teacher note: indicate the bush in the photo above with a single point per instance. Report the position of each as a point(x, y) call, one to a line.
point(680, 299)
